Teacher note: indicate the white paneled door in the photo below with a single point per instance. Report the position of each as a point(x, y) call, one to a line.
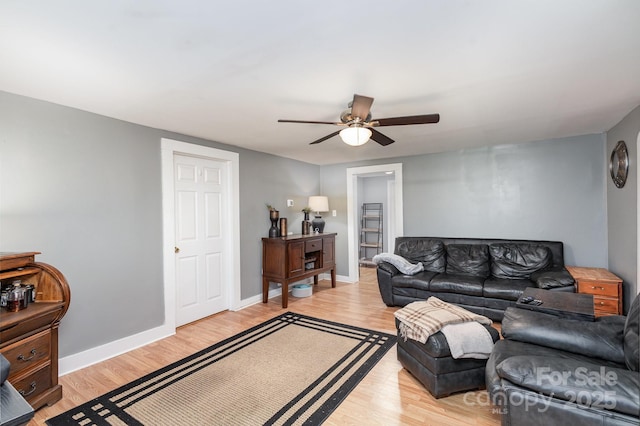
point(200, 237)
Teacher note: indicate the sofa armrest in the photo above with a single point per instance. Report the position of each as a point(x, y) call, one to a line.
point(552, 278)
point(4, 369)
point(389, 268)
point(14, 409)
point(386, 272)
point(592, 385)
point(601, 339)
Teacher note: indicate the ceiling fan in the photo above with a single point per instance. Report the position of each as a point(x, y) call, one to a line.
point(359, 127)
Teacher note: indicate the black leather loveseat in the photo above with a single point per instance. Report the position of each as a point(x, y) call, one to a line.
point(566, 372)
point(485, 276)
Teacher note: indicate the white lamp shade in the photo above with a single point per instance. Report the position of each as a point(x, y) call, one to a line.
point(355, 136)
point(319, 203)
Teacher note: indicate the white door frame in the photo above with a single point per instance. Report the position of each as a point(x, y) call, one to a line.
point(390, 233)
point(169, 147)
point(638, 216)
point(352, 211)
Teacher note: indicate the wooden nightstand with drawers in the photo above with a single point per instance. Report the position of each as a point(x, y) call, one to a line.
point(605, 287)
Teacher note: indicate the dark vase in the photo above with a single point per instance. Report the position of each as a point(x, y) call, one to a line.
point(306, 224)
point(317, 224)
point(273, 217)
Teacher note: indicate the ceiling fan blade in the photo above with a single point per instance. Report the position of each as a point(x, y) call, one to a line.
point(361, 106)
point(383, 140)
point(311, 122)
point(413, 119)
point(322, 139)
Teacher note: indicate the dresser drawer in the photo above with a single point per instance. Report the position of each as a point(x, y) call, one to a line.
point(28, 324)
point(605, 305)
point(313, 245)
point(35, 383)
point(28, 352)
point(596, 288)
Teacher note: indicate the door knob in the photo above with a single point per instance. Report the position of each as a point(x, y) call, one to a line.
point(176, 249)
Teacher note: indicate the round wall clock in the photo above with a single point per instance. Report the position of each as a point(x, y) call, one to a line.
point(619, 164)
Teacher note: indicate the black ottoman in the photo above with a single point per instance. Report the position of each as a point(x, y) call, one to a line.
point(432, 364)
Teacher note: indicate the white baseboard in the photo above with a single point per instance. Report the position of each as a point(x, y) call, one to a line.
point(101, 353)
point(341, 278)
point(75, 362)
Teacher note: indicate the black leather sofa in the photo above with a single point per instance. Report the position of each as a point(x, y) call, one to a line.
point(566, 372)
point(485, 276)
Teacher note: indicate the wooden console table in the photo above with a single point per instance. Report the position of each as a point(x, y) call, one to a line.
point(605, 287)
point(294, 258)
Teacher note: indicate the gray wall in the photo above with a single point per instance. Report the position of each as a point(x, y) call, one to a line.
point(552, 190)
point(269, 179)
point(622, 208)
point(85, 190)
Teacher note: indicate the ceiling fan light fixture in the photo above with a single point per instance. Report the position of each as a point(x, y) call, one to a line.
point(355, 136)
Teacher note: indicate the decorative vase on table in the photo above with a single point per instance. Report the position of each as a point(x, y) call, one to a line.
point(306, 224)
point(317, 224)
point(274, 215)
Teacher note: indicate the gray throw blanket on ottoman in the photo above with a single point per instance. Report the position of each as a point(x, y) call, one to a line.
point(466, 337)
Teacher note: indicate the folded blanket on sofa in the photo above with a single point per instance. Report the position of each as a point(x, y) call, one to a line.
point(399, 262)
point(468, 340)
point(419, 320)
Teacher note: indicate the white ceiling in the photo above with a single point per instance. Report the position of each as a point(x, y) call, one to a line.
point(497, 71)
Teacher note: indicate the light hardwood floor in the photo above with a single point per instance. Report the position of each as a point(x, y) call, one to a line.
point(388, 395)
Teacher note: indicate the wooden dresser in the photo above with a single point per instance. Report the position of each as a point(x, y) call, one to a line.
point(605, 287)
point(294, 258)
point(29, 337)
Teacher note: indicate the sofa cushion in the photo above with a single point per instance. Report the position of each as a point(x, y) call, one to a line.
point(586, 384)
point(518, 260)
point(502, 288)
point(552, 278)
point(430, 253)
point(468, 259)
point(631, 338)
point(505, 349)
point(420, 280)
point(460, 284)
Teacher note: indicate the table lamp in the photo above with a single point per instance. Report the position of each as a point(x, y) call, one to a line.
point(318, 204)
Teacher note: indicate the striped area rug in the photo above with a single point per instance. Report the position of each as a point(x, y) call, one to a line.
point(290, 370)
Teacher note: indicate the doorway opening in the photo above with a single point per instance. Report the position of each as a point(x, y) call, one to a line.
point(390, 191)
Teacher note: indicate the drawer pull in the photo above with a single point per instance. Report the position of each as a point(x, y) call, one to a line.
point(32, 389)
point(601, 303)
point(596, 288)
point(23, 359)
